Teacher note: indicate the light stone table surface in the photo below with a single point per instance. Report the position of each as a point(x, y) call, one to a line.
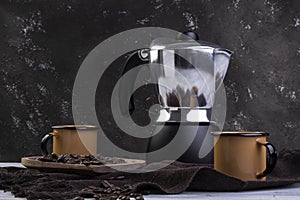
point(291, 192)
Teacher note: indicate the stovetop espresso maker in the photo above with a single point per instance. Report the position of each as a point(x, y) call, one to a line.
point(187, 72)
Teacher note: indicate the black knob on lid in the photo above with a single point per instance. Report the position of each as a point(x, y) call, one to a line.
point(192, 35)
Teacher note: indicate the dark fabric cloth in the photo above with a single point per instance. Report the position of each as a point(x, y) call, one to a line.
point(175, 178)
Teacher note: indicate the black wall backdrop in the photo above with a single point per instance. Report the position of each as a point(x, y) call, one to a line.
point(43, 43)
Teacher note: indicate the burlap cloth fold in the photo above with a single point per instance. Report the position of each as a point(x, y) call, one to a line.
point(175, 178)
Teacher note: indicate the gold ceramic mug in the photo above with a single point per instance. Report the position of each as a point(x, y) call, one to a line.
point(71, 139)
point(244, 155)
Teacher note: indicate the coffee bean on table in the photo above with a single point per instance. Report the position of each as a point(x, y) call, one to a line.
point(140, 197)
point(78, 198)
point(98, 190)
point(74, 156)
point(122, 197)
point(108, 191)
point(86, 194)
point(54, 156)
point(107, 184)
point(116, 178)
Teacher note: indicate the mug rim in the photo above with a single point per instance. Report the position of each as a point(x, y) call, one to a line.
point(240, 133)
point(75, 127)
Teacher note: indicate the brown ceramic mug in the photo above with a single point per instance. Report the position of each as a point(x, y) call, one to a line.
point(244, 155)
point(71, 139)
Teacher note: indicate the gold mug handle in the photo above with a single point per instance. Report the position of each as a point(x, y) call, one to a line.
point(271, 158)
point(44, 142)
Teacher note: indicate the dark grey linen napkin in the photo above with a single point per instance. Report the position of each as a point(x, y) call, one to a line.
point(173, 179)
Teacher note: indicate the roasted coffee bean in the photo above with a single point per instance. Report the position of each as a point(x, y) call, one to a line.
point(78, 198)
point(117, 192)
point(98, 190)
point(140, 197)
point(71, 162)
point(75, 156)
point(106, 184)
point(68, 157)
point(86, 194)
point(93, 187)
point(118, 188)
point(87, 190)
point(128, 186)
point(120, 177)
point(110, 160)
point(61, 158)
point(132, 194)
point(114, 197)
point(122, 197)
point(126, 189)
point(116, 178)
point(108, 191)
point(96, 162)
point(54, 156)
point(86, 163)
point(135, 195)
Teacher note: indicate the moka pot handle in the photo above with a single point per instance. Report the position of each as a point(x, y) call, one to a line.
point(136, 59)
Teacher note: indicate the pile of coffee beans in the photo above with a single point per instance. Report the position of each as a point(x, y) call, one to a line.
point(109, 160)
point(108, 191)
point(81, 159)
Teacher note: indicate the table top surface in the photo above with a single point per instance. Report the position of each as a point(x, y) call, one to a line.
point(291, 192)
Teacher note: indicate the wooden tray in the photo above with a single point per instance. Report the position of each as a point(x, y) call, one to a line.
point(34, 163)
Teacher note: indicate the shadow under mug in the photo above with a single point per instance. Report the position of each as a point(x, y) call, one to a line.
point(71, 139)
point(244, 154)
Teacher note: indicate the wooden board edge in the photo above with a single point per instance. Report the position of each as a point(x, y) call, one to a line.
point(32, 162)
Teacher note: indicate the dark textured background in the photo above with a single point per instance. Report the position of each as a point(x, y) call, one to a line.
point(43, 43)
